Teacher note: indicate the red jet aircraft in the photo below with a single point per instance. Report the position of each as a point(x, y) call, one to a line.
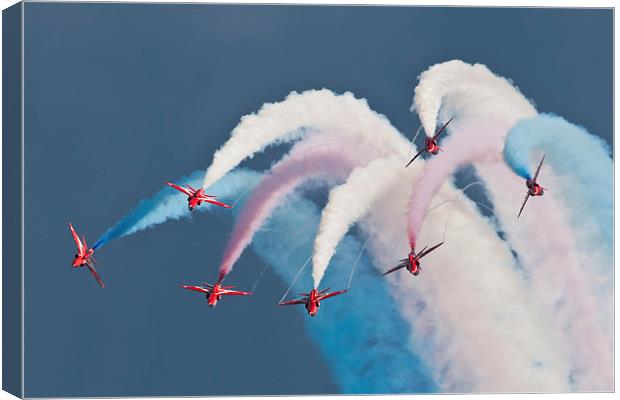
point(313, 300)
point(215, 292)
point(533, 188)
point(430, 144)
point(84, 257)
point(196, 197)
point(412, 262)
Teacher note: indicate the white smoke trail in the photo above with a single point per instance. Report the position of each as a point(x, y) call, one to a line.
point(471, 317)
point(544, 243)
point(458, 89)
point(470, 307)
point(298, 115)
point(348, 203)
point(320, 156)
point(453, 359)
point(559, 274)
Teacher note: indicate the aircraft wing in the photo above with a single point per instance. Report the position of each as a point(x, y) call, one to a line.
point(425, 252)
point(235, 293)
point(196, 288)
point(77, 241)
point(291, 302)
point(332, 294)
point(320, 293)
point(538, 169)
point(217, 203)
point(93, 271)
point(402, 265)
point(527, 196)
point(443, 128)
point(414, 157)
point(179, 188)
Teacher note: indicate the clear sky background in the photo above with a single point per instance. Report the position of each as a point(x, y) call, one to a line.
point(120, 98)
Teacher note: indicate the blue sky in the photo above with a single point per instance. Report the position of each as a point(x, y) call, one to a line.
point(120, 98)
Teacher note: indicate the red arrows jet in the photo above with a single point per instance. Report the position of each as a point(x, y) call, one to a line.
point(215, 292)
point(83, 256)
point(412, 262)
point(430, 144)
point(312, 301)
point(196, 197)
point(533, 188)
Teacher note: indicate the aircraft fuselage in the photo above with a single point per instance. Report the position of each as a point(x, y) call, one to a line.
point(534, 188)
point(80, 261)
point(431, 146)
point(414, 264)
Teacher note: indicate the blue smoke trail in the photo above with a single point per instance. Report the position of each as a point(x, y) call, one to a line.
point(170, 204)
point(362, 335)
point(583, 164)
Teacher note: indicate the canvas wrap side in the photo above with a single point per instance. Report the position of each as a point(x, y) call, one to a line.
point(12, 201)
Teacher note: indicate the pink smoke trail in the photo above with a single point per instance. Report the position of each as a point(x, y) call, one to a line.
point(474, 142)
point(558, 272)
point(542, 242)
point(469, 298)
point(319, 157)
